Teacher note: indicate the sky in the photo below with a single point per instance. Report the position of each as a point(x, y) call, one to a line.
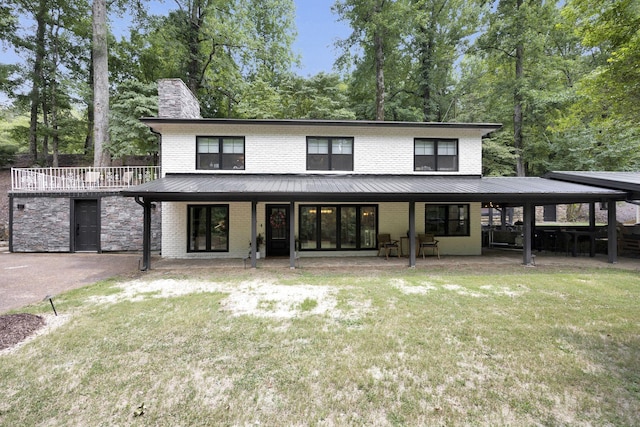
point(318, 29)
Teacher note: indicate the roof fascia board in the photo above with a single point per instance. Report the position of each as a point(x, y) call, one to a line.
point(487, 128)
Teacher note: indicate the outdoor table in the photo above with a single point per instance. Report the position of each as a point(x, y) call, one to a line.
point(575, 234)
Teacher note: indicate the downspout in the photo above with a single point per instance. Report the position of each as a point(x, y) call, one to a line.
point(146, 234)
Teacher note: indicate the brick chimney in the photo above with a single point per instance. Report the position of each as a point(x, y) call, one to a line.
point(176, 101)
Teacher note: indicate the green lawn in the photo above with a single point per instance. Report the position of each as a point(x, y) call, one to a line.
point(305, 347)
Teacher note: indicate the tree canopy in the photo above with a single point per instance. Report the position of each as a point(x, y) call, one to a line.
point(561, 76)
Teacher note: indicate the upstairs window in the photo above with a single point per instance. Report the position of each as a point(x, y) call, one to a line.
point(329, 154)
point(224, 153)
point(436, 155)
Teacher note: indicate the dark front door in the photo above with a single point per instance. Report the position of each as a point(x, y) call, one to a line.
point(277, 239)
point(86, 225)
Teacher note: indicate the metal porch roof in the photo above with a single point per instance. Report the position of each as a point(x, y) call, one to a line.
point(621, 181)
point(367, 188)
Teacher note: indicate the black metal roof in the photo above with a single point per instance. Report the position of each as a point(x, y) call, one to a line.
point(621, 181)
point(367, 188)
point(486, 128)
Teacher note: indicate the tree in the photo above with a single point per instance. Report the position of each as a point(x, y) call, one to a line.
point(514, 49)
point(612, 30)
point(376, 32)
point(128, 136)
point(100, 62)
point(439, 32)
point(323, 96)
point(218, 47)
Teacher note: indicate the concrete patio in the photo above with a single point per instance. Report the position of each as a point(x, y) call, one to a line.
point(490, 259)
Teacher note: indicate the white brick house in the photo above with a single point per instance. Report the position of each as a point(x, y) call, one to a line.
point(326, 188)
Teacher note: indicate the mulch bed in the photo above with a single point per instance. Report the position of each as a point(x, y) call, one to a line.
point(16, 327)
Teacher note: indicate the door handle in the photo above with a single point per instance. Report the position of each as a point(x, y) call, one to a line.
point(77, 229)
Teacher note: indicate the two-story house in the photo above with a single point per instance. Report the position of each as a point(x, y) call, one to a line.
point(326, 187)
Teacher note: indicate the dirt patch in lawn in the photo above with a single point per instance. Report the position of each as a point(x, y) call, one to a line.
point(16, 327)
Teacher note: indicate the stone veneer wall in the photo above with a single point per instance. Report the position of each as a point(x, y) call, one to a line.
point(44, 224)
point(122, 225)
point(175, 100)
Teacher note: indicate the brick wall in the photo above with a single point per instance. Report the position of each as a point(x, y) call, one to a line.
point(282, 149)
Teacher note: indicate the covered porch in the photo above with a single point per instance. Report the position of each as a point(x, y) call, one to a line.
point(291, 189)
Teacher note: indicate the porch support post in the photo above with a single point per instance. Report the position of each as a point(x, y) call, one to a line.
point(292, 236)
point(612, 232)
point(412, 234)
point(592, 216)
point(526, 243)
point(146, 233)
point(254, 232)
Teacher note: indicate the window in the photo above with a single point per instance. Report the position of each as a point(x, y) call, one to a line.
point(436, 155)
point(329, 154)
point(208, 228)
point(447, 220)
point(344, 227)
point(219, 152)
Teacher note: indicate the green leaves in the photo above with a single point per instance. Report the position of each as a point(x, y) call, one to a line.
point(128, 136)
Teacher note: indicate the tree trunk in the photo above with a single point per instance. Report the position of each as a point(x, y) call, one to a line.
point(55, 134)
point(378, 42)
point(518, 101)
point(44, 153)
point(100, 85)
point(426, 84)
point(378, 47)
point(37, 80)
point(194, 65)
point(88, 141)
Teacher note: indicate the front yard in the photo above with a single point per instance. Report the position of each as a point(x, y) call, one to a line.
point(306, 347)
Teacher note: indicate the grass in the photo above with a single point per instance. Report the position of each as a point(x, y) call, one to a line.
point(332, 348)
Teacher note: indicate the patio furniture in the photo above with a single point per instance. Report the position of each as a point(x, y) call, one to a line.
point(428, 241)
point(387, 245)
point(92, 179)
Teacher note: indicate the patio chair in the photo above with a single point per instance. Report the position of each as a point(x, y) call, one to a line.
point(428, 241)
point(127, 177)
point(387, 245)
point(92, 179)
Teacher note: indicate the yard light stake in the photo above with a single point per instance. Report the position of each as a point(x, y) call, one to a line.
point(50, 298)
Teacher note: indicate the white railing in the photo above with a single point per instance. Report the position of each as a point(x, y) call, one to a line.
point(81, 178)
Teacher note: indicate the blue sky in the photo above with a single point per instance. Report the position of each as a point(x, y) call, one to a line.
point(318, 30)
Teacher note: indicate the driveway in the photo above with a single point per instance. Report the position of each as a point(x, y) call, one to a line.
point(26, 278)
